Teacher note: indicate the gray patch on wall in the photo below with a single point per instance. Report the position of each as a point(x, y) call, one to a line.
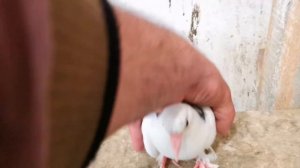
point(195, 19)
point(288, 8)
point(296, 99)
point(170, 3)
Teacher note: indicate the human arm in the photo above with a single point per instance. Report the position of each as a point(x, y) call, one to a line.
point(159, 68)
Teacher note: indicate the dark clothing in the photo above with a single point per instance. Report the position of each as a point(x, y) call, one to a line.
point(58, 78)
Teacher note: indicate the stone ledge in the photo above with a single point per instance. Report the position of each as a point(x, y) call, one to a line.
point(258, 140)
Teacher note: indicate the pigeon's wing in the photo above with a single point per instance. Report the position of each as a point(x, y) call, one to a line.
point(146, 128)
point(210, 125)
point(150, 148)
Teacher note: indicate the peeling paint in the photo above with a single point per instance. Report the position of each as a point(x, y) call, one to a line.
point(287, 11)
point(260, 67)
point(195, 19)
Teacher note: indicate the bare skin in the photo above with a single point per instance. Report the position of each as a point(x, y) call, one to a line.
point(159, 68)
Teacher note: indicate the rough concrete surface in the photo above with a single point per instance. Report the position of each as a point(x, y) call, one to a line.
point(257, 140)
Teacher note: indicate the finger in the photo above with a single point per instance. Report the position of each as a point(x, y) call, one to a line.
point(224, 118)
point(136, 136)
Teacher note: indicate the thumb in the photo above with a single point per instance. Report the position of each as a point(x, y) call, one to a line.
point(136, 135)
point(225, 115)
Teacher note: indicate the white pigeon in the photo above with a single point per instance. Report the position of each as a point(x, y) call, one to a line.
point(181, 132)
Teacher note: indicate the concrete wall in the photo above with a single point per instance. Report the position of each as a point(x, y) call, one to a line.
point(255, 44)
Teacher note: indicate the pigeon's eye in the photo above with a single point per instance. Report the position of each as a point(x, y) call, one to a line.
point(187, 123)
point(207, 151)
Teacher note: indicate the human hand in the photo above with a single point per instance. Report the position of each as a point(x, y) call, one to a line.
point(158, 68)
point(207, 93)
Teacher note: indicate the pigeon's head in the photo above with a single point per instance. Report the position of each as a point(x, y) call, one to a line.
point(176, 119)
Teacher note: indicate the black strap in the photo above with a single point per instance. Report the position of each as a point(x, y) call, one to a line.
point(111, 83)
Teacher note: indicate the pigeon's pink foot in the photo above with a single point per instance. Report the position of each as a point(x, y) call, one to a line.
point(210, 165)
point(176, 164)
point(199, 164)
point(164, 162)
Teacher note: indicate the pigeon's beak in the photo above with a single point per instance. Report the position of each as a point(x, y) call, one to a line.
point(176, 143)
